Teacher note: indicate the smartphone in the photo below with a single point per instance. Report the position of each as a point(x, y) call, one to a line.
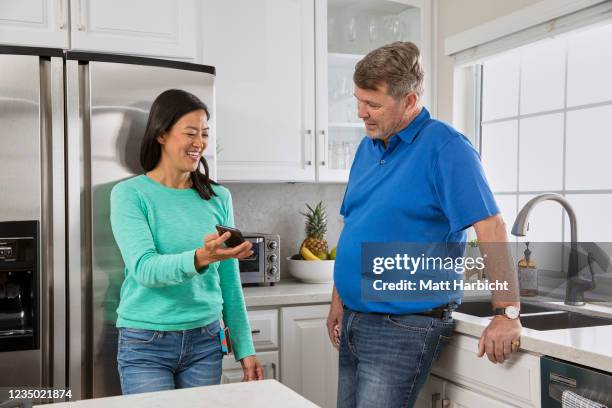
point(235, 239)
point(226, 341)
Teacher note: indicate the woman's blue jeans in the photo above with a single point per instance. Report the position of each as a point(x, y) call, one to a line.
point(150, 360)
point(386, 359)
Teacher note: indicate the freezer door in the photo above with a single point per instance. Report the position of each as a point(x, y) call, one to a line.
point(20, 155)
point(108, 107)
point(32, 189)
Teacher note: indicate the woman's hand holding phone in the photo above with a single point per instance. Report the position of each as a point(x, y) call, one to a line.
point(214, 250)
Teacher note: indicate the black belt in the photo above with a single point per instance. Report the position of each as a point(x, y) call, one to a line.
point(443, 313)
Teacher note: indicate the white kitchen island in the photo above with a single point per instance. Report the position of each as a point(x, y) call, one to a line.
point(253, 394)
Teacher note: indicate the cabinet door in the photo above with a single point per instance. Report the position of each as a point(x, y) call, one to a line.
point(232, 370)
point(431, 394)
point(346, 32)
point(309, 363)
point(459, 397)
point(37, 23)
point(516, 381)
point(264, 55)
point(160, 28)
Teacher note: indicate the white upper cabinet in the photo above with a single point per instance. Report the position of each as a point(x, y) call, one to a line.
point(265, 59)
point(268, 54)
point(34, 23)
point(160, 28)
point(346, 32)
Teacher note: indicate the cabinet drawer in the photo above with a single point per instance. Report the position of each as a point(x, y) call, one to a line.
point(264, 328)
point(516, 381)
point(232, 370)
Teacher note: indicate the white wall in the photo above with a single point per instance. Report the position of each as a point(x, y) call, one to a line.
point(455, 16)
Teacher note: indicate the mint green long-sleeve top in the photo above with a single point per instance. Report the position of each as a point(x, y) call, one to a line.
point(158, 229)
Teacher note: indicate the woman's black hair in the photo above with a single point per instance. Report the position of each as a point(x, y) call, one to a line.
point(167, 109)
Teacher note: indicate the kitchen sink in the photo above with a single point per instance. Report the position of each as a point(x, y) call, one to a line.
point(562, 320)
point(539, 317)
point(483, 308)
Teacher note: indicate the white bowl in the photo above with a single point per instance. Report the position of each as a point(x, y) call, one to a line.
point(311, 271)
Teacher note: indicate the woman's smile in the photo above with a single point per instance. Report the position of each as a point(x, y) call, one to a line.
point(194, 155)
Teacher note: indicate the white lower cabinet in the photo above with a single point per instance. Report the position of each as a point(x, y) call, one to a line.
point(431, 394)
point(461, 379)
point(232, 370)
point(460, 397)
point(437, 393)
point(264, 329)
point(515, 383)
point(309, 363)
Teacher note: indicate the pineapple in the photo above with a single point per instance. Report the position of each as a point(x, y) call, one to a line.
point(316, 227)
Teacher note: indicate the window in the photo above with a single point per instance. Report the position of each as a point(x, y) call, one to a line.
point(546, 126)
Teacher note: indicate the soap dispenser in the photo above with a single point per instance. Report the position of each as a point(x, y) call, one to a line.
point(527, 274)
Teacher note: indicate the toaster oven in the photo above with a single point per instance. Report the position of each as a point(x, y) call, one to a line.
point(264, 265)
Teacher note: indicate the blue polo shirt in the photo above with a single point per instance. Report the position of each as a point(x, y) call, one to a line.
point(427, 185)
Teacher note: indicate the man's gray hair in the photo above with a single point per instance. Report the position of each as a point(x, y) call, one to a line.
point(398, 65)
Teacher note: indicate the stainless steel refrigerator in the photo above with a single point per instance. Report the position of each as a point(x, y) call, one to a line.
point(70, 129)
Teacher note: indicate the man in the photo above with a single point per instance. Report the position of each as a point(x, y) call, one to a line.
point(414, 179)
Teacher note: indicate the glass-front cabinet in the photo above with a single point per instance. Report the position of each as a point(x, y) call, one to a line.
point(346, 31)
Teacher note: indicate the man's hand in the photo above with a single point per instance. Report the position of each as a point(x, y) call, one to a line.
point(252, 369)
point(500, 339)
point(334, 319)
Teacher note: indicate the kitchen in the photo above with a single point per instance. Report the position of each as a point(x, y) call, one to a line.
point(283, 134)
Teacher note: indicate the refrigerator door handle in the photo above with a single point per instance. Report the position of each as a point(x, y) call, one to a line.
point(52, 225)
point(77, 114)
point(57, 217)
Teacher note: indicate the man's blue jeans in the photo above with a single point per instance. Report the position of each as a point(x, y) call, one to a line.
point(150, 360)
point(386, 359)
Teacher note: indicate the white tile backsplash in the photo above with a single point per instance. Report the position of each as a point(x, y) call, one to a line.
point(276, 207)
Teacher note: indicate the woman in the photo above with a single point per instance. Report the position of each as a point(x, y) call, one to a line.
point(176, 288)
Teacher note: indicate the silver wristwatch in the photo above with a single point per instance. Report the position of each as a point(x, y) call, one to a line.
point(511, 312)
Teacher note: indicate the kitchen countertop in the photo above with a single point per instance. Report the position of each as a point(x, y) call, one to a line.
point(589, 346)
point(288, 293)
point(255, 394)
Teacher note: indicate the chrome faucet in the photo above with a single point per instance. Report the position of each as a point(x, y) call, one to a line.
point(575, 287)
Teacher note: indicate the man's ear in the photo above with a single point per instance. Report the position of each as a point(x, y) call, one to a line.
point(410, 99)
